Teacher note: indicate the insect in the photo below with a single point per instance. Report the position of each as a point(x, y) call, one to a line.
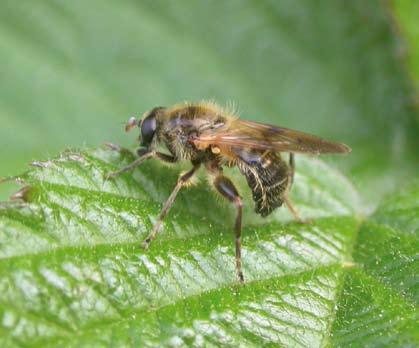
point(210, 136)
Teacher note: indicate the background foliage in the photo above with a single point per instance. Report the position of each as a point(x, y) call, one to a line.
point(409, 28)
point(71, 271)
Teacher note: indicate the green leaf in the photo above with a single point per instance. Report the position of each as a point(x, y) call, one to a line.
point(72, 272)
point(379, 302)
point(76, 69)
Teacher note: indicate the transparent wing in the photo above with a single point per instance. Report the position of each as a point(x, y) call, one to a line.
point(248, 134)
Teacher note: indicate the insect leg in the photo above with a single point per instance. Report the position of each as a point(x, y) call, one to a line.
point(227, 189)
point(131, 166)
point(160, 155)
point(291, 169)
point(286, 198)
point(292, 209)
point(166, 158)
point(183, 180)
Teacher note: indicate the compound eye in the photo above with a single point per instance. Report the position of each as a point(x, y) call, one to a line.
point(148, 128)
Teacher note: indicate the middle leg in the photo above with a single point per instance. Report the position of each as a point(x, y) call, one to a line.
point(225, 186)
point(183, 180)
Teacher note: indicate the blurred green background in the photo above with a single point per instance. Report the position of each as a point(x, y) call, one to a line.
point(73, 72)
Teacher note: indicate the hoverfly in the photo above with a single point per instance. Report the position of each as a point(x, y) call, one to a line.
point(208, 135)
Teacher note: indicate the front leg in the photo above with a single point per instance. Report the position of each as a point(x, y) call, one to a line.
point(225, 186)
point(131, 166)
point(183, 180)
point(143, 154)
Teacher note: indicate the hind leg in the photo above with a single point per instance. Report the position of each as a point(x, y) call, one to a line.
point(291, 171)
point(292, 209)
point(287, 200)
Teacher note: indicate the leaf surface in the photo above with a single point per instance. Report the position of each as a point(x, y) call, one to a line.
point(73, 274)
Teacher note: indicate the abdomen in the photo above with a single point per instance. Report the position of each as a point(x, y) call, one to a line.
point(267, 177)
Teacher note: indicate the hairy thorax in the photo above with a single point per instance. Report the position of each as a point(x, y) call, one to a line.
point(182, 126)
